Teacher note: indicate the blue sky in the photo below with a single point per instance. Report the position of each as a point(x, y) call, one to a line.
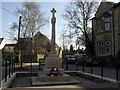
point(7, 18)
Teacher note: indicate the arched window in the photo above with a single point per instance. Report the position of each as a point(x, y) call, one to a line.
point(100, 48)
point(108, 50)
point(107, 43)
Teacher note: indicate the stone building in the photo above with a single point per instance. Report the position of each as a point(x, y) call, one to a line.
point(106, 29)
point(36, 48)
point(8, 51)
point(41, 48)
point(1, 46)
point(9, 48)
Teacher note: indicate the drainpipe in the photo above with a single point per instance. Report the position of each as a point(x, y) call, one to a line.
point(116, 63)
point(113, 32)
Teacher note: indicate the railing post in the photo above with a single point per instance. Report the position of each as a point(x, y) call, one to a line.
point(66, 65)
point(39, 64)
point(31, 66)
point(116, 69)
point(83, 65)
point(9, 65)
point(6, 70)
point(62, 63)
point(12, 65)
point(76, 65)
point(102, 67)
point(91, 67)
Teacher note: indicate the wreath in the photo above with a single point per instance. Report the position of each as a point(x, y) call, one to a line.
point(54, 72)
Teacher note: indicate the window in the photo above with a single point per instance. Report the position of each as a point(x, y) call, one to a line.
point(106, 24)
point(99, 26)
point(101, 51)
point(97, 23)
point(102, 43)
point(107, 43)
point(106, 19)
point(108, 50)
point(98, 44)
point(107, 28)
point(100, 48)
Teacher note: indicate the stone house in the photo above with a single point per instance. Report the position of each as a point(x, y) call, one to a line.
point(37, 48)
point(9, 48)
point(1, 46)
point(106, 29)
point(8, 51)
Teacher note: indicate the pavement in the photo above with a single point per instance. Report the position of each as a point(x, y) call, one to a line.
point(85, 83)
point(24, 83)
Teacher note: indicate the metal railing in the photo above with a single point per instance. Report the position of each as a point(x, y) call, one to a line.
point(9, 68)
point(102, 70)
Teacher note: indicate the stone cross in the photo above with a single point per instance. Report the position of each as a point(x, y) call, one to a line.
point(53, 11)
point(53, 21)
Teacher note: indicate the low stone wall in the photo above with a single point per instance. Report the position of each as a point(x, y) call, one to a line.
point(9, 81)
point(90, 77)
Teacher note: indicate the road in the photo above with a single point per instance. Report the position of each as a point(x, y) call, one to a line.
point(107, 71)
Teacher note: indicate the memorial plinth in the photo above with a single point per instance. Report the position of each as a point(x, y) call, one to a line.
point(53, 61)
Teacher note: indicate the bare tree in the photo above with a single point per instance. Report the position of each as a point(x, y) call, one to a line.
point(66, 39)
point(78, 15)
point(32, 20)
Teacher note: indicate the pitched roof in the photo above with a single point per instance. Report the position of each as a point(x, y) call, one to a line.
point(39, 34)
point(103, 5)
point(10, 44)
point(116, 5)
